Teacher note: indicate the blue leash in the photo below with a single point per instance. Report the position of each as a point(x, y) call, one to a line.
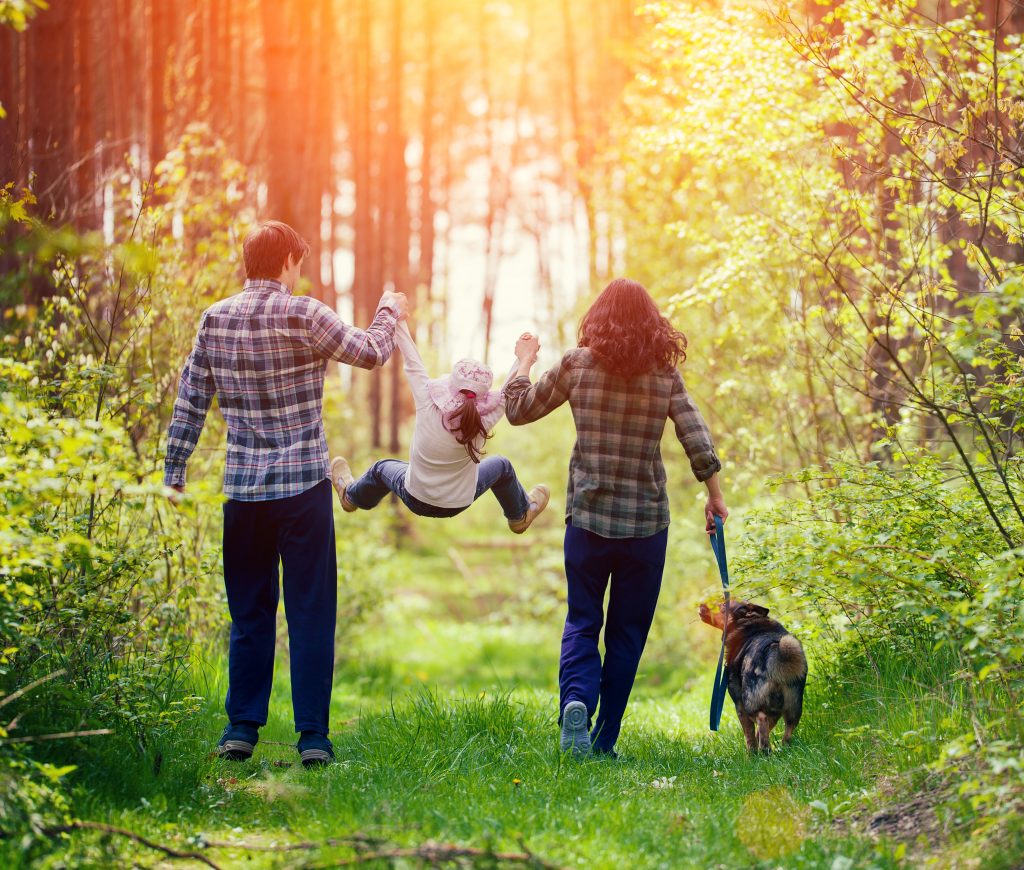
point(721, 684)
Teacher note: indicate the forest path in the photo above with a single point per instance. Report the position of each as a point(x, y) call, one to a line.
point(444, 724)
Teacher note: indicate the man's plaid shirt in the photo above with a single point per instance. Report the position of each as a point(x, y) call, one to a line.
point(616, 476)
point(264, 353)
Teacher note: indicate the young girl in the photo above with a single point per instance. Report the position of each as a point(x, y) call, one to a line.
point(622, 384)
point(445, 474)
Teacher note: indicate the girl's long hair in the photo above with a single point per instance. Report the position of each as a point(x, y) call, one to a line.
point(466, 425)
point(627, 333)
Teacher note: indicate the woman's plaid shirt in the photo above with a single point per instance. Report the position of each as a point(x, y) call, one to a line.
point(264, 353)
point(616, 476)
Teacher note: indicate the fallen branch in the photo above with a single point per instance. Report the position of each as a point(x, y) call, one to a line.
point(302, 846)
point(79, 825)
point(432, 853)
point(438, 853)
point(63, 735)
point(25, 689)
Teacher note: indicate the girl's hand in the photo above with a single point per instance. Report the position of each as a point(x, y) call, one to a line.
point(527, 348)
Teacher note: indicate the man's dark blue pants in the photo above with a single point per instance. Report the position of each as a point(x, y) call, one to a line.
point(634, 566)
point(298, 534)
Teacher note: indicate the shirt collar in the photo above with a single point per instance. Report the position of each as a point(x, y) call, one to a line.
point(268, 284)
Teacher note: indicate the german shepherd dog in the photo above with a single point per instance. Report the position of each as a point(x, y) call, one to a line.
point(767, 671)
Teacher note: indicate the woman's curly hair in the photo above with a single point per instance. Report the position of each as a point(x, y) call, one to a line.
point(627, 333)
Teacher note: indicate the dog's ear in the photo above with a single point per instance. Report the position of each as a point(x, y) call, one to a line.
point(750, 611)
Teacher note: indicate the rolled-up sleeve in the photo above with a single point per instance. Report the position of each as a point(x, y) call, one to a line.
point(330, 337)
point(525, 403)
point(692, 432)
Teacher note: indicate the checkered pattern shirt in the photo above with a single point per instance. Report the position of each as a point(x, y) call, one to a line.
point(616, 476)
point(264, 353)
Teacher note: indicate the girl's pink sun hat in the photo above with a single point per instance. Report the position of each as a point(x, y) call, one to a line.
point(469, 375)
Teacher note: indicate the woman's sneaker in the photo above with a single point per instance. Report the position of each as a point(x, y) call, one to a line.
point(341, 477)
point(238, 742)
point(575, 729)
point(538, 497)
point(315, 750)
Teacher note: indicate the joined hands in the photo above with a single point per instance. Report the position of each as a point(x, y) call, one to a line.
point(397, 302)
point(527, 348)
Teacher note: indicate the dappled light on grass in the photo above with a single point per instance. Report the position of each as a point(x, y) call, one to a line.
point(771, 824)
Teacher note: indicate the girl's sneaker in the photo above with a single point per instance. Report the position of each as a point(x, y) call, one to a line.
point(341, 477)
point(539, 497)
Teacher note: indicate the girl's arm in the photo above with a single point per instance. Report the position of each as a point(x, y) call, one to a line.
point(415, 371)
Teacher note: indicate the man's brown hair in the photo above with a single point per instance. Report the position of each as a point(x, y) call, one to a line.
point(266, 249)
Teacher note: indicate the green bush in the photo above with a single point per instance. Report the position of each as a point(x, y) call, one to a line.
point(105, 586)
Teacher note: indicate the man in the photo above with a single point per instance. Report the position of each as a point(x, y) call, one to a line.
point(264, 353)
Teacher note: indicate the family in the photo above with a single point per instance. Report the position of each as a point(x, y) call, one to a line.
point(264, 353)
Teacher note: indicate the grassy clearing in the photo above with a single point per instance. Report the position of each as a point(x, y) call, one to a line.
point(444, 723)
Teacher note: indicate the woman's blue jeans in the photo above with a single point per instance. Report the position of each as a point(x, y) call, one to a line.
point(634, 566)
point(388, 476)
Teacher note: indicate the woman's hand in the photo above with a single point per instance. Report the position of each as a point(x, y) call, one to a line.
point(527, 348)
point(715, 505)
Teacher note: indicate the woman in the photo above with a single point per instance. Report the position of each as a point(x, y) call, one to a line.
point(622, 384)
point(445, 475)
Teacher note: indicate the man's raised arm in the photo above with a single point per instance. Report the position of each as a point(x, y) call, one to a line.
point(332, 338)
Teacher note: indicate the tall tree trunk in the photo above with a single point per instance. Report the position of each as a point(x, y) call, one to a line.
point(425, 265)
point(284, 116)
point(323, 138)
point(86, 141)
point(50, 109)
point(582, 138)
point(13, 141)
point(396, 227)
point(365, 281)
point(499, 188)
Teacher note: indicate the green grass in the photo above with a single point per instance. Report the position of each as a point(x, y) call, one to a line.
point(483, 770)
point(443, 720)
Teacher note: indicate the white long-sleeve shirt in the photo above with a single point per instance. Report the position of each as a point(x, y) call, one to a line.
point(440, 470)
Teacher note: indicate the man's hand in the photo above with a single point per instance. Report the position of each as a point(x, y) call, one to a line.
point(397, 302)
point(175, 498)
point(527, 348)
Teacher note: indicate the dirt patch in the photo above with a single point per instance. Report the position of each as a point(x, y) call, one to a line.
point(923, 818)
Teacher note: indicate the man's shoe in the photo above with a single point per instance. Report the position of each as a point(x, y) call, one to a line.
point(575, 729)
point(539, 497)
point(341, 477)
point(238, 742)
point(315, 750)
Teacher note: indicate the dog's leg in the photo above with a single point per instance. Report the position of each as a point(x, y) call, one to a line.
point(763, 733)
point(787, 735)
point(747, 724)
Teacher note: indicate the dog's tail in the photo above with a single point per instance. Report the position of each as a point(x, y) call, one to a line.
point(791, 661)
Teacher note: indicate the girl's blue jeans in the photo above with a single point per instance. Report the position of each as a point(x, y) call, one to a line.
point(388, 476)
